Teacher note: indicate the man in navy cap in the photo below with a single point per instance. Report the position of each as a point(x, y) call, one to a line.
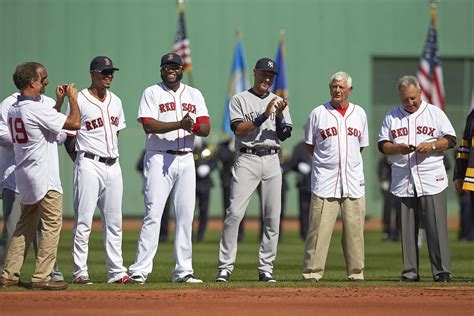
point(97, 173)
point(260, 120)
point(171, 114)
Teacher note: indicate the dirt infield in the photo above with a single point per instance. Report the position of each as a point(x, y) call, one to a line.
point(262, 301)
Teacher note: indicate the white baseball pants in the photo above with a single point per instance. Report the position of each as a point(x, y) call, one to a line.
point(164, 173)
point(97, 184)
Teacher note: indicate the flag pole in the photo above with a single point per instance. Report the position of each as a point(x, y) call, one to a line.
point(433, 5)
point(181, 10)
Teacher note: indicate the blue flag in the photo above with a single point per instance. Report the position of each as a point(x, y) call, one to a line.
point(280, 86)
point(238, 82)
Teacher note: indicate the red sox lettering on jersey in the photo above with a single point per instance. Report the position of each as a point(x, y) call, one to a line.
point(100, 123)
point(427, 124)
point(337, 139)
point(171, 106)
point(332, 131)
point(403, 131)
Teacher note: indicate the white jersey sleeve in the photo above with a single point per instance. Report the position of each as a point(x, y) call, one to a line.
point(5, 136)
point(148, 105)
point(309, 128)
point(201, 108)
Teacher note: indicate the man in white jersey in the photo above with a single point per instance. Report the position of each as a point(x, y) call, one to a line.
point(8, 188)
point(415, 136)
point(34, 127)
point(260, 120)
point(335, 134)
point(97, 173)
point(171, 113)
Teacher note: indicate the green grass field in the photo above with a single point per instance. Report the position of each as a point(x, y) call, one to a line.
point(383, 263)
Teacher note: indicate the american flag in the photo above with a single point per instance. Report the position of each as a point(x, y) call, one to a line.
point(181, 43)
point(430, 72)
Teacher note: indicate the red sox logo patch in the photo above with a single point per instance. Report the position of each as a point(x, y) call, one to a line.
point(107, 61)
point(170, 57)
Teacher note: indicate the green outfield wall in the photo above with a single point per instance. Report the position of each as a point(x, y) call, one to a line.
point(322, 37)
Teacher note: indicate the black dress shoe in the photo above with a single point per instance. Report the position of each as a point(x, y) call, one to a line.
point(405, 279)
point(443, 277)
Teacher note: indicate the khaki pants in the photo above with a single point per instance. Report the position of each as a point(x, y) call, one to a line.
point(49, 211)
point(322, 217)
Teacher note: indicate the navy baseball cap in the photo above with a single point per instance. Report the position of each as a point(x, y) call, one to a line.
point(171, 58)
point(102, 63)
point(266, 64)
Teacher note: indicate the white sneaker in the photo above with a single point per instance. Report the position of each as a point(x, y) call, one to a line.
point(187, 279)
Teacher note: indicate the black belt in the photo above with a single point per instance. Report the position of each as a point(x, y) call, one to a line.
point(177, 152)
point(259, 151)
point(108, 161)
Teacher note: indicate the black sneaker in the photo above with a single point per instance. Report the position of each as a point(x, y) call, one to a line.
point(266, 277)
point(223, 276)
point(443, 277)
point(405, 279)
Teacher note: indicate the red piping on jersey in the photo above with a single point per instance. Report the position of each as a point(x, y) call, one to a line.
point(110, 125)
point(347, 146)
point(408, 164)
point(100, 108)
point(416, 155)
point(338, 151)
point(181, 108)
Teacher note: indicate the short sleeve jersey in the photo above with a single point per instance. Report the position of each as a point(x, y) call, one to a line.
point(163, 104)
point(100, 123)
point(246, 106)
point(416, 173)
point(7, 167)
point(34, 126)
point(337, 161)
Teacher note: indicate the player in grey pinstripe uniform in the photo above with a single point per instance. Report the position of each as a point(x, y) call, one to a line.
point(260, 120)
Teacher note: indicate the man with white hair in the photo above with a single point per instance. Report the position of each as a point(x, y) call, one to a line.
point(335, 134)
point(415, 135)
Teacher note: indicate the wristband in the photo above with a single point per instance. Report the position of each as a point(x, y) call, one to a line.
point(258, 121)
point(280, 122)
point(196, 128)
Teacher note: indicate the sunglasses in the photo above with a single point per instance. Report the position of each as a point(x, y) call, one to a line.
point(106, 72)
point(173, 67)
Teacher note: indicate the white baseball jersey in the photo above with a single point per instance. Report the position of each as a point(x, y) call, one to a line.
point(423, 173)
point(337, 140)
point(34, 126)
point(163, 104)
point(100, 122)
point(7, 166)
point(246, 106)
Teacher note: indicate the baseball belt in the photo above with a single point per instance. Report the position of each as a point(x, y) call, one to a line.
point(107, 160)
point(176, 152)
point(262, 151)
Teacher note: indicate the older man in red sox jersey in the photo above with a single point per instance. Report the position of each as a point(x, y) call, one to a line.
point(335, 134)
point(415, 136)
point(171, 114)
point(34, 127)
point(97, 173)
point(9, 191)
